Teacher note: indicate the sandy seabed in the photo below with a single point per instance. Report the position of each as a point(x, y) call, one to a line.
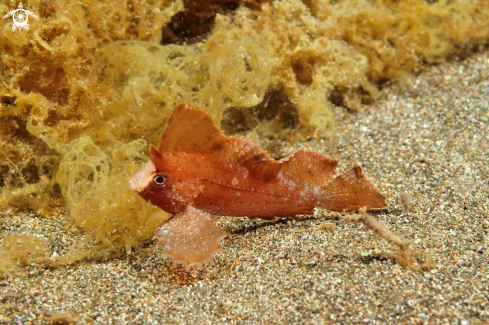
point(428, 138)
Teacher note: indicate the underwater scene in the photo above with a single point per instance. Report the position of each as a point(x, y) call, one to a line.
point(244, 161)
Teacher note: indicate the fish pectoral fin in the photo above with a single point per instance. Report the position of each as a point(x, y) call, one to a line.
point(191, 237)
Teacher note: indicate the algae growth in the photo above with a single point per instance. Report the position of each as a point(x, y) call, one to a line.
point(90, 78)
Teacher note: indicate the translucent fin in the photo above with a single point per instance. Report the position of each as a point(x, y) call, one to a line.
point(302, 166)
point(191, 237)
point(190, 130)
point(352, 191)
point(156, 158)
point(308, 167)
point(193, 130)
point(154, 154)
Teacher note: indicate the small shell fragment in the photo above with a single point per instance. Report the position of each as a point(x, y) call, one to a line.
point(406, 201)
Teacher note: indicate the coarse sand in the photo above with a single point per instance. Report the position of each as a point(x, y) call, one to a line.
point(427, 137)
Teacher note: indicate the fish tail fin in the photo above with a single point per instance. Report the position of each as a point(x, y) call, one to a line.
point(351, 191)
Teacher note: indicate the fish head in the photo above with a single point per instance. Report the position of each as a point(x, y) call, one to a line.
point(173, 177)
point(154, 183)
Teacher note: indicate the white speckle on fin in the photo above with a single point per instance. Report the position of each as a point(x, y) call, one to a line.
point(191, 237)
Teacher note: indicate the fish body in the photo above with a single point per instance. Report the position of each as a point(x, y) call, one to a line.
point(198, 168)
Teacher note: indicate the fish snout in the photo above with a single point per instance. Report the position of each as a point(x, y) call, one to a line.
point(135, 184)
point(142, 178)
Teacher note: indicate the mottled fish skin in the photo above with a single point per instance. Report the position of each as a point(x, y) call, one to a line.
point(197, 171)
point(230, 176)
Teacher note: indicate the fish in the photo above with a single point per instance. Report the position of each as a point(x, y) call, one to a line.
point(198, 172)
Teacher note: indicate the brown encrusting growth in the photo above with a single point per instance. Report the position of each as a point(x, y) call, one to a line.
point(196, 21)
point(198, 171)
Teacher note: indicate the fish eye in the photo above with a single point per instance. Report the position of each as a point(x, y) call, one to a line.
point(160, 180)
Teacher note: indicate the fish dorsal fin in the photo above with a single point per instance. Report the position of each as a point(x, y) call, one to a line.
point(193, 131)
point(302, 167)
point(307, 167)
point(190, 130)
point(252, 157)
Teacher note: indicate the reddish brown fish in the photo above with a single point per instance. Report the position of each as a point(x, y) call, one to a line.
point(197, 172)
